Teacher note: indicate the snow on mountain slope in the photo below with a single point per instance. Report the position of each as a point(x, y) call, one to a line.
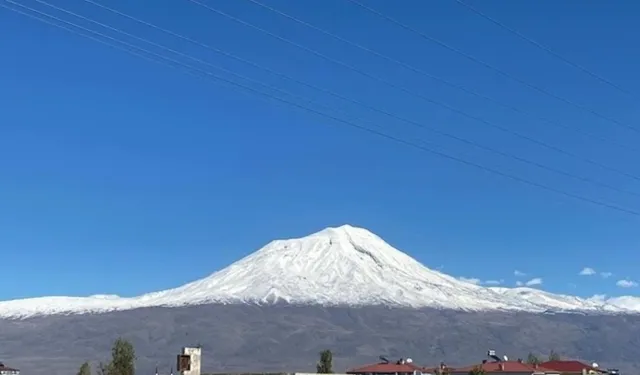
point(336, 266)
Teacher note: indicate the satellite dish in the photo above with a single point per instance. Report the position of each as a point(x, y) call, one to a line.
point(594, 365)
point(409, 360)
point(505, 358)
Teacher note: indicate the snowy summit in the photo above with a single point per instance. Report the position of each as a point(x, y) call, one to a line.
point(336, 266)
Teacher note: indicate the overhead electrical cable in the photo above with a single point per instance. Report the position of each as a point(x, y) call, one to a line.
point(192, 69)
point(413, 93)
point(420, 71)
point(543, 47)
point(443, 133)
point(439, 79)
point(491, 67)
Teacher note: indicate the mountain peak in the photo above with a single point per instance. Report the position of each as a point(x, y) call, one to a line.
point(342, 265)
point(344, 229)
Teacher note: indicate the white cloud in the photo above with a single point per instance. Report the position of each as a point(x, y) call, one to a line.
point(534, 281)
point(626, 284)
point(494, 282)
point(519, 283)
point(519, 273)
point(606, 275)
point(477, 281)
point(470, 280)
point(587, 271)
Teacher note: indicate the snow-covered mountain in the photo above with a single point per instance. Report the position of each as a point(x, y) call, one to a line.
point(336, 266)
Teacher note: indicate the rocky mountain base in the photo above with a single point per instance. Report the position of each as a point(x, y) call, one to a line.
point(288, 338)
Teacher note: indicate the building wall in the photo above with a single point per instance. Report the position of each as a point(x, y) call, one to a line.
point(196, 360)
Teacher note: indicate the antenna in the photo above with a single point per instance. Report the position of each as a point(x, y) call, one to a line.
point(409, 360)
point(594, 365)
point(505, 358)
point(384, 359)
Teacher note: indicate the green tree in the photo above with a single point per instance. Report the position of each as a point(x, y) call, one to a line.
point(533, 360)
point(325, 365)
point(123, 357)
point(477, 370)
point(85, 369)
point(553, 356)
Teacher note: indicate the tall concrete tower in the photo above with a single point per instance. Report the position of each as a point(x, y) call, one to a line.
point(190, 361)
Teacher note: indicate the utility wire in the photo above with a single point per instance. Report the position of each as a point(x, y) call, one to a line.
point(420, 71)
point(491, 67)
point(542, 47)
point(410, 92)
point(191, 69)
point(451, 136)
point(436, 78)
point(364, 105)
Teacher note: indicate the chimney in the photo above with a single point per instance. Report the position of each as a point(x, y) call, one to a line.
point(501, 366)
point(535, 365)
point(442, 366)
point(519, 360)
point(484, 361)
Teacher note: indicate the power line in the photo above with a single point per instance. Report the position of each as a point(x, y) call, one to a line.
point(191, 69)
point(542, 47)
point(436, 78)
point(489, 66)
point(451, 136)
point(388, 58)
point(410, 92)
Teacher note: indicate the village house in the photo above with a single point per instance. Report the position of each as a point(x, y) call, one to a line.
point(505, 368)
point(386, 367)
point(4, 370)
point(573, 367)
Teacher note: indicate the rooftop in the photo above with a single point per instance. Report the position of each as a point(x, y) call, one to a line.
point(4, 368)
point(385, 368)
point(505, 366)
point(569, 366)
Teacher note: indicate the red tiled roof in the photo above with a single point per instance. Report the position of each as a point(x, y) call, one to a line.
point(385, 368)
point(508, 366)
point(436, 370)
point(568, 366)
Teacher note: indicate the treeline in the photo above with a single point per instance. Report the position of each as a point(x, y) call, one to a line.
point(532, 359)
point(123, 358)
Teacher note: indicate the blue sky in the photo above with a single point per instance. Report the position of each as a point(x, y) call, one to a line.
point(113, 169)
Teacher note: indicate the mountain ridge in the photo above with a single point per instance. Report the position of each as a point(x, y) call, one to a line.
point(336, 266)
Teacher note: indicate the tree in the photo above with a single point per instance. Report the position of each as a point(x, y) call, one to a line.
point(477, 370)
point(533, 360)
point(553, 356)
point(123, 357)
point(85, 369)
point(325, 365)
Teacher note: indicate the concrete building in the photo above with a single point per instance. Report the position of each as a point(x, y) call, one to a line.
point(190, 361)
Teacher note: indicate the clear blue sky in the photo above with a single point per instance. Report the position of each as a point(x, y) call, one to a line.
point(115, 171)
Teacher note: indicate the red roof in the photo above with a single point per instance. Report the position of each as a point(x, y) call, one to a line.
point(507, 366)
point(391, 367)
point(569, 366)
